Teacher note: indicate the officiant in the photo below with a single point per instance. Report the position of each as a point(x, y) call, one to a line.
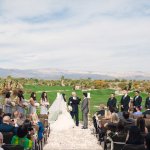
point(74, 101)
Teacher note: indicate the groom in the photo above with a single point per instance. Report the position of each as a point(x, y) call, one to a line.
point(74, 101)
point(85, 110)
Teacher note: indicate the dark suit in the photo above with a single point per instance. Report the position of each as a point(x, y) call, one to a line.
point(111, 104)
point(75, 110)
point(7, 128)
point(147, 103)
point(125, 102)
point(137, 100)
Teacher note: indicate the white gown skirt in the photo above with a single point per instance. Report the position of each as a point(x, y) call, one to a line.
point(63, 122)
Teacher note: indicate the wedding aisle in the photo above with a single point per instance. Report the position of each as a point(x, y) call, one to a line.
point(73, 139)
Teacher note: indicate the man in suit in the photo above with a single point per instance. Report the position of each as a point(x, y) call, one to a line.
point(111, 103)
point(137, 100)
point(74, 101)
point(6, 126)
point(85, 110)
point(147, 102)
point(125, 100)
point(147, 106)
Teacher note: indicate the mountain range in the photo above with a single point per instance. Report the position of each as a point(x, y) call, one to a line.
point(54, 74)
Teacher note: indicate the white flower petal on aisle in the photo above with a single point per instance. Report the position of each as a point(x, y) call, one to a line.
point(73, 139)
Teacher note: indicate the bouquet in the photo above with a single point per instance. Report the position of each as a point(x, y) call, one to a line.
point(37, 104)
point(69, 108)
point(47, 103)
point(13, 103)
point(25, 104)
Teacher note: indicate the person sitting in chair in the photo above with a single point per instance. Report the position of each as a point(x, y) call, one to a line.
point(20, 138)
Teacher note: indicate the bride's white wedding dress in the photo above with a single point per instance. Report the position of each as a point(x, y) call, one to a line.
point(59, 118)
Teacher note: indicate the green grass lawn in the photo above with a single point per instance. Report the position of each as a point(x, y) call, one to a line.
point(97, 96)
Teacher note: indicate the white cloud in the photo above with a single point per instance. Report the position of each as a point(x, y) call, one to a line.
point(85, 35)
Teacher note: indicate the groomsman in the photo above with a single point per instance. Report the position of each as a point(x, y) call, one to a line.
point(85, 110)
point(147, 102)
point(74, 101)
point(137, 100)
point(111, 103)
point(125, 101)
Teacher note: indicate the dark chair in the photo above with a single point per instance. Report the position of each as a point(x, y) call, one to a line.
point(7, 137)
point(95, 124)
point(12, 147)
point(148, 116)
point(147, 123)
point(43, 116)
point(133, 147)
point(118, 140)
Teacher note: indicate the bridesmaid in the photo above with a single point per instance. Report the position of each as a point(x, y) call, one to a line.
point(8, 105)
point(32, 107)
point(20, 103)
point(44, 103)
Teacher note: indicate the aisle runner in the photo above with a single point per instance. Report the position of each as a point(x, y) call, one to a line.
point(73, 139)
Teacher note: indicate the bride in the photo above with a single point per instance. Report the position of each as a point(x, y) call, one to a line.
point(59, 117)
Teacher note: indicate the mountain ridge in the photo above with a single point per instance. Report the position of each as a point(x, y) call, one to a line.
point(54, 74)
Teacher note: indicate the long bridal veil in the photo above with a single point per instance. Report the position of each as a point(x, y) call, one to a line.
point(57, 108)
point(59, 118)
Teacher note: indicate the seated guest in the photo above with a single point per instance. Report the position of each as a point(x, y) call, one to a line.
point(113, 121)
point(138, 111)
point(1, 115)
point(6, 126)
point(147, 142)
point(107, 114)
point(111, 103)
point(17, 118)
point(141, 125)
point(1, 140)
point(147, 112)
point(36, 122)
point(101, 110)
point(27, 123)
point(126, 120)
point(134, 136)
point(21, 139)
point(31, 131)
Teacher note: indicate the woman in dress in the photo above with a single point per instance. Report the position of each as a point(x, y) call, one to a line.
point(8, 104)
point(59, 118)
point(20, 103)
point(44, 103)
point(32, 107)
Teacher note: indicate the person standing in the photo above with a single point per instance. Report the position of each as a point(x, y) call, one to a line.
point(74, 101)
point(125, 101)
point(20, 101)
point(32, 107)
point(137, 100)
point(8, 104)
point(85, 110)
point(147, 102)
point(111, 103)
point(44, 103)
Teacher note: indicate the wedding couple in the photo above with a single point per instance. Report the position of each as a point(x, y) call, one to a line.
point(61, 119)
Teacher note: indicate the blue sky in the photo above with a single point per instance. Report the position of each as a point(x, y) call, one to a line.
point(93, 35)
